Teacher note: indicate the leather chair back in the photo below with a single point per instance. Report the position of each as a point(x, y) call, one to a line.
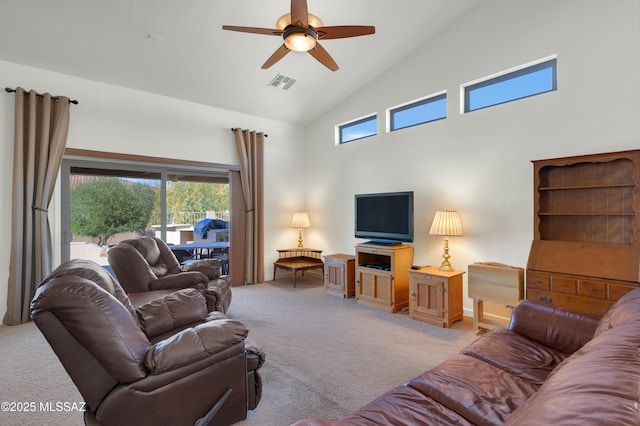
point(85, 268)
point(96, 337)
point(139, 261)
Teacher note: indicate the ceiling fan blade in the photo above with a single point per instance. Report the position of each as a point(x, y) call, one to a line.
point(299, 13)
point(253, 30)
point(277, 55)
point(323, 57)
point(344, 31)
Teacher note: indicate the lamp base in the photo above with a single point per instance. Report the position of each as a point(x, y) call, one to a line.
point(300, 239)
point(446, 265)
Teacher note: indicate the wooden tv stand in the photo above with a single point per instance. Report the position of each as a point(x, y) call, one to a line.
point(382, 277)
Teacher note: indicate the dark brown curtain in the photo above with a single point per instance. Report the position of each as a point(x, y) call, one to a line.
point(40, 135)
point(250, 145)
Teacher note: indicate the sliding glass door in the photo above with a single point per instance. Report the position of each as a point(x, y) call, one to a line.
point(106, 202)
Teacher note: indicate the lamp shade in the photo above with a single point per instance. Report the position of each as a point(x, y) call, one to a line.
point(447, 223)
point(300, 220)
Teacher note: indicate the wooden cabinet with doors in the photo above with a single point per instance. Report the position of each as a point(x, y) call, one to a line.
point(435, 296)
point(339, 275)
point(586, 249)
point(382, 280)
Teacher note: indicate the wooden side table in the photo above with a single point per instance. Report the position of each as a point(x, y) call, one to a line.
point(340, 275)
point(435, 296)
point(497, 283)
point(298, 259)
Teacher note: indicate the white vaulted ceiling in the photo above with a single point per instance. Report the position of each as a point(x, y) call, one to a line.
point(177, 48)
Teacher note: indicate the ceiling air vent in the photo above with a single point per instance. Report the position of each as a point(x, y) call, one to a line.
point(282, 81)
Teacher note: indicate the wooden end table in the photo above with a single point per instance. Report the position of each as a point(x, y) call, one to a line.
point(298, 259)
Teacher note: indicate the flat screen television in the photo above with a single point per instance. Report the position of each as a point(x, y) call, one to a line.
point(384, 218)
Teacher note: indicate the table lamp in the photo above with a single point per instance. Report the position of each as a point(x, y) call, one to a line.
point(446, 223)
point(300, 220)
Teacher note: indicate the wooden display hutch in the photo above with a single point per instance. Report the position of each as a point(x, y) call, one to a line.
point(382, 279)
point(586, 249)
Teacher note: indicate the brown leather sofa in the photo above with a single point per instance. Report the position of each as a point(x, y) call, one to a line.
point(550, 367)
point(147, 270)
point(167, 362)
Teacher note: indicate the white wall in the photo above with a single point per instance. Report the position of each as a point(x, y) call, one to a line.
point(479, 163)
point(115, 119)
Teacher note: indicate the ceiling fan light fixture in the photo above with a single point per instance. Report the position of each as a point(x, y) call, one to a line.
point(299, 39)
point(302, 34)
point(285, 20)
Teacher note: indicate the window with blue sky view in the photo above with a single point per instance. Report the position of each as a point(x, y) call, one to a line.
point(418, 112)
point(358, 129)
point(525, 82)
point(528, 80)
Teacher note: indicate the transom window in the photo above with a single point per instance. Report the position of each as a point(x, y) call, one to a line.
point(418, 112)
point(357, 129)
point(516, 84)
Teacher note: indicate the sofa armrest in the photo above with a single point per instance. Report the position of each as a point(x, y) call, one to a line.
point(174, 310)
point(558, 328)
point(194, 344)
point(210, 267)
point(192, 279)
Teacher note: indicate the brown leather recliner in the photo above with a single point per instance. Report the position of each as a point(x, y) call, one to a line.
point(147, 269)
point(168, 362)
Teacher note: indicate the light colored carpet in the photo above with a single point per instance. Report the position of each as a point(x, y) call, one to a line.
point(326, 356)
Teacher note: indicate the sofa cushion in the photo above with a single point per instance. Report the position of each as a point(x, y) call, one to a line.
point(554, 327)
point(480, 392)
point(598, 385)
point(400, 404)
point(514, 353)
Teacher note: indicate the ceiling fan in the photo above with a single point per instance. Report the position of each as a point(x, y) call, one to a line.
point(301, 32)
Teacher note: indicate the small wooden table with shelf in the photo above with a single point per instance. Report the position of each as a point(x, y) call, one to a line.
point(298, 259)
point(435, 296)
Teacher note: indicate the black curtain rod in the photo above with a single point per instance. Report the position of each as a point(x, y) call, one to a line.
point(233, 129)
point(10, 90)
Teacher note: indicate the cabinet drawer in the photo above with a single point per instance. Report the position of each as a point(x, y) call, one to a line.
point(537, 281)
point(593, 289)
point(564, 285)
point(572, 303)
point(616, 291)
